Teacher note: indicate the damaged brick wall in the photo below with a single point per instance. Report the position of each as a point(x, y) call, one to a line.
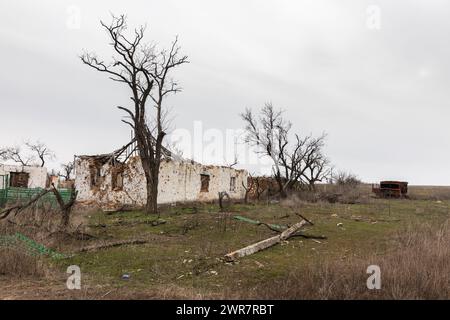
point(116, 185)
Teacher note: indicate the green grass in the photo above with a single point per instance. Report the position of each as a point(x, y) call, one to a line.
point(190, 244)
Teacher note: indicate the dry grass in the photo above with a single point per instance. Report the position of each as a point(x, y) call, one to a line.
point(15, 263)
point(417, 268)
point(40, 223)
point(407, 239)
point(429, 193)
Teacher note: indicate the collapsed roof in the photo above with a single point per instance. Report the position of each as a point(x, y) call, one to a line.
point(122, 154)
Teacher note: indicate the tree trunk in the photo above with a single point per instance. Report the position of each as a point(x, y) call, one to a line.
point(282, 188)
point(150, 165)
point(279, 182)
point(152, 197)
point(152, 178)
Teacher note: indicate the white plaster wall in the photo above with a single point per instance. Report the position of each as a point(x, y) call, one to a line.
point(37, 178)
point(178, 182)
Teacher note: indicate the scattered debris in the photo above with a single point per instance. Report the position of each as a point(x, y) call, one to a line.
point(259, 264)
point(190, 224)
point(125, 276)
point(98, 225)
point(340, 224)
point(156, 222)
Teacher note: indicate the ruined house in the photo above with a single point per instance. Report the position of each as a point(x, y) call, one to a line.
point(117, 179)
point(15, 176)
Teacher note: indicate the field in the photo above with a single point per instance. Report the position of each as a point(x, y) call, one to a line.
point(407, 238)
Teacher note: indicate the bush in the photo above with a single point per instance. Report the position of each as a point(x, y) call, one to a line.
point(346, 179)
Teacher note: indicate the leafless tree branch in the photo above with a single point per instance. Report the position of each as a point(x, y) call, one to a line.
point(147, 72)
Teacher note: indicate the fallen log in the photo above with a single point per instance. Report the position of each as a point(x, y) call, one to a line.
point(267, 243)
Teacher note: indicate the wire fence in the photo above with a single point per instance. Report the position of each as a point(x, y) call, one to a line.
point(23, 244)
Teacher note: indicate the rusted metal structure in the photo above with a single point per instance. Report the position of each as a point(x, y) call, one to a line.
point(391, 189)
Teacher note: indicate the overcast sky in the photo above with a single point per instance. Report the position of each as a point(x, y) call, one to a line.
point(378, 87)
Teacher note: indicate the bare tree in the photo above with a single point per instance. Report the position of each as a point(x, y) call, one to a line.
point(269, 135)
point(33, 151)
point(259, 189)
point(67, 169)
point(296, 160)
point(41, 150)
point(3, 153)
point(343, 178)
point(146, 71)
point(317, 171)
point(65, 208)
point(16, 155)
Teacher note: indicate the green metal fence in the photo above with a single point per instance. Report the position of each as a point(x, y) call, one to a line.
point(3, 185)
point(21, 195)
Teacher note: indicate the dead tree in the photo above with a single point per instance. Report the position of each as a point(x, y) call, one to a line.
point(65, 208)
point(147, 73)
point(16, 155)
point(259, 189)
point(346, 179)
point(313, 166)
point(269, 135)
point(36, 151)
point(296, 160)
point(317, 172)
point(67, 169)
point(41, 150)
point(3, 153)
